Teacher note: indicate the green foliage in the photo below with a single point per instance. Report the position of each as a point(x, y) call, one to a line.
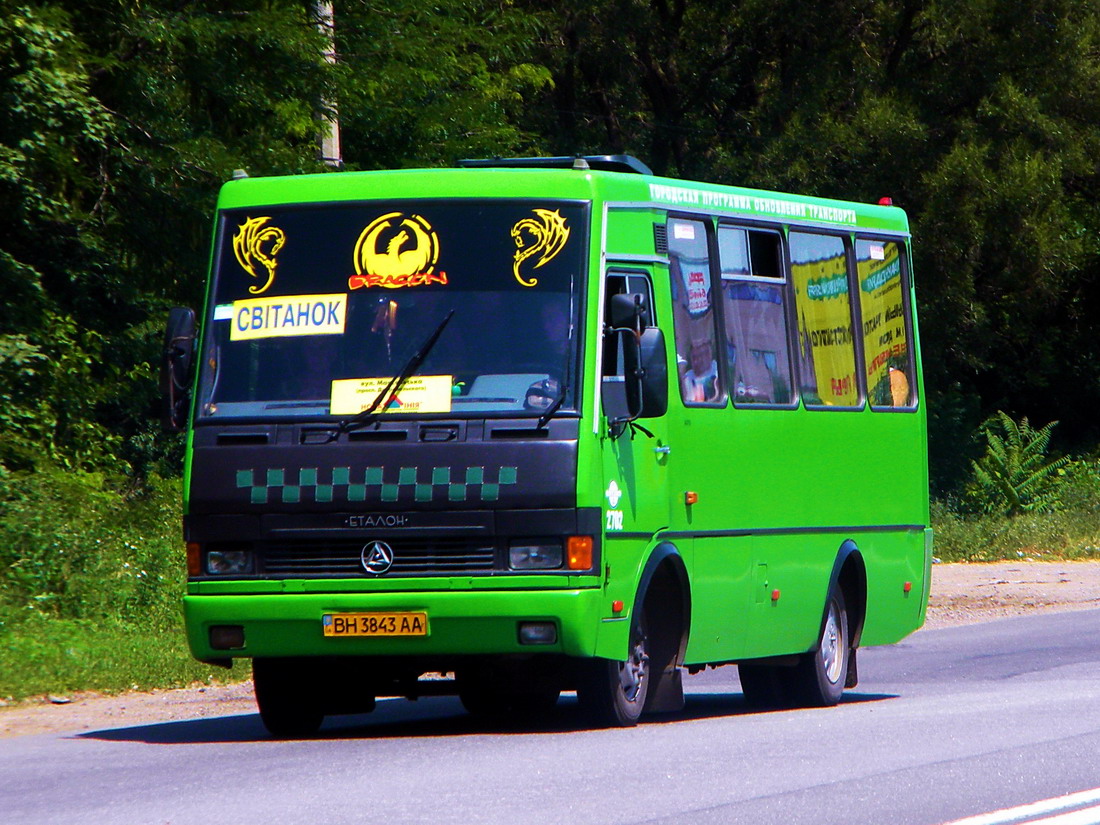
point(1014, 475)
point(90, 580)
point(1066, 534)
point(978, 117)
point(1078, 486)
point(1070, 532)
point(75, 546)
point(47, 655)
point(426, 85)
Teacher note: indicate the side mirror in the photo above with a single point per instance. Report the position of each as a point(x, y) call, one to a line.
point(176, 366)
point(653, 378)
point(642, 390)
point(628, 310)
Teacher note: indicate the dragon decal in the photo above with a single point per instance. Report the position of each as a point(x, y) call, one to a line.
point(544, 235)
point(407, 257)
point(256, 245)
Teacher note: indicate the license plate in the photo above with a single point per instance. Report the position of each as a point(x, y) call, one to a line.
point(375, 624)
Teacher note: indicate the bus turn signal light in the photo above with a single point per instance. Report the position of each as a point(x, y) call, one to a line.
point(690, 497)
point(579, 552)
point(194, 562)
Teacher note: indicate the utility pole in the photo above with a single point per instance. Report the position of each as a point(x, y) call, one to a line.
point(329, 137)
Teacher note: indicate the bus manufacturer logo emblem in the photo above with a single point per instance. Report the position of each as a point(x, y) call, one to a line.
point(376, 557)
point(613, 493)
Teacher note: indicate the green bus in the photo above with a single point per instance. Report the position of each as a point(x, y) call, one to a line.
point(537, 425)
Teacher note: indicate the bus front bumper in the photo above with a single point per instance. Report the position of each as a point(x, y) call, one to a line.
point(458, 623)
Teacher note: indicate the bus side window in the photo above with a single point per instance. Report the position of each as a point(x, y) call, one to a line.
point(823, 309)
point(754, 290)
point(882, 299)
point(693, 313)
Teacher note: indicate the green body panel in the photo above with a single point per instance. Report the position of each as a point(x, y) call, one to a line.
point(390, 585)
point(779, 491)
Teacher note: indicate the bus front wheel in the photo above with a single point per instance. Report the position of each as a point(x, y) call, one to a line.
point(762, 685)
point(613, 693)
point(498, 691)
point(287, 697)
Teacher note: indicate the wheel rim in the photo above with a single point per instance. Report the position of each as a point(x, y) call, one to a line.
point(832, 645)
point(633, 672)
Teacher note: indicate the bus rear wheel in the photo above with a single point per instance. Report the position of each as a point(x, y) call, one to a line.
point(288, 699)
point(613, 693)
point(818, 679)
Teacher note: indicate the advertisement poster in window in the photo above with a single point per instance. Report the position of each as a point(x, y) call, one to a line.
point(885, 345)
point(825, 341)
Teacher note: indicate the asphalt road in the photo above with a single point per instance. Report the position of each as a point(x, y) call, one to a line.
point(949, 724)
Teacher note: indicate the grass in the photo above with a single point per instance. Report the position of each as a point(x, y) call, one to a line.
point(981, 527)
point(91, 576)
point(45, 655)
point(1072, 534)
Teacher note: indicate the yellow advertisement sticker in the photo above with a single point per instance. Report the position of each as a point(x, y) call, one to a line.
point(421, 394)
point(825, 328)
point(288, 315)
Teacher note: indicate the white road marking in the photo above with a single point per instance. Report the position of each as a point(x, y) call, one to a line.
point(1085, 816)
point(1031, 812)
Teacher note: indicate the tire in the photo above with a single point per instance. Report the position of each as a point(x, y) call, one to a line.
point(500, 693)
point(818, 679)
point(613, 693)
point(288, 700)
point(764, 686)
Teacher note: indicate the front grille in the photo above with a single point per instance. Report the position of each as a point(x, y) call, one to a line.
point(411, 557)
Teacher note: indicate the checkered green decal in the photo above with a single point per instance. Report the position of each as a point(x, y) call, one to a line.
point(263, 485)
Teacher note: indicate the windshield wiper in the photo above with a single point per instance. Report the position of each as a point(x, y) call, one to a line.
point(395, 384)
point(554, 407)
point(563, 388)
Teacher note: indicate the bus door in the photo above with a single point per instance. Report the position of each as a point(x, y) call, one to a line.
point(636, 453)
point(707, 472)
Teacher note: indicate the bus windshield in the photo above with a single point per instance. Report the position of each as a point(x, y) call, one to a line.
point(314, 309)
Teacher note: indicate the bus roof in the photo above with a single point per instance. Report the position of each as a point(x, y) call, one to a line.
point(618, 188)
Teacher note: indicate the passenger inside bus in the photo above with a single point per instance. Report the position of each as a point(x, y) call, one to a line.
point(700, 382)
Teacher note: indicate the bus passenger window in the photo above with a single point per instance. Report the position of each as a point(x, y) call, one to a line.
point(826, 344)
point(694, 316)
point(886, 347)
point(753, 289)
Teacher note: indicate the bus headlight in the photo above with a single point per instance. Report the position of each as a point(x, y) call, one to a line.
point(228, 562)
point(535, 555)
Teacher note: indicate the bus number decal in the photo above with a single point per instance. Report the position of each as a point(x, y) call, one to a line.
point(614, 519)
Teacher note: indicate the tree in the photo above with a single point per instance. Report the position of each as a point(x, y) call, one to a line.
point(426, 85)
point(51, 140)
point(125, 120)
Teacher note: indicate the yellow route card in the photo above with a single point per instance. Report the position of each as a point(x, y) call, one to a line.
point(288, 315)
point(421, 394)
